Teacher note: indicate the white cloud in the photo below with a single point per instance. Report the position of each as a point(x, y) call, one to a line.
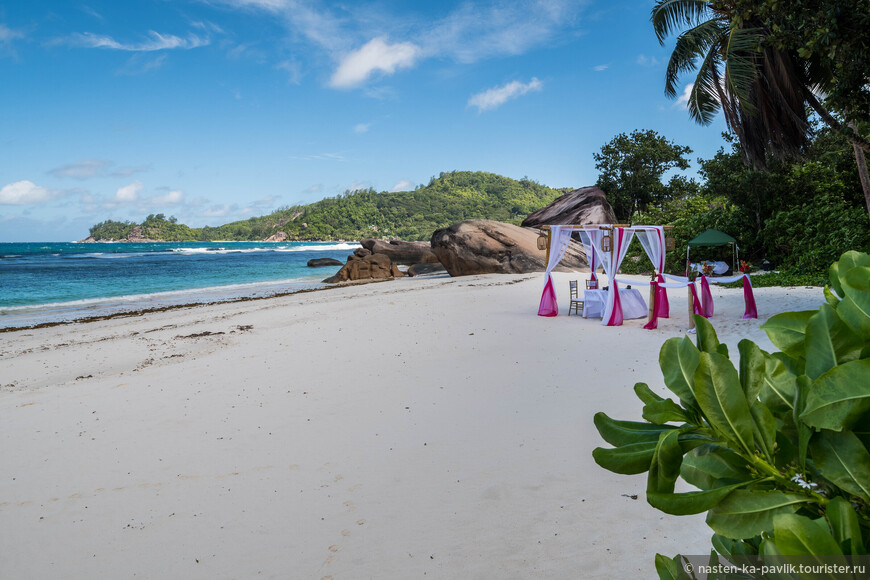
point(82, 170)
point(171, 198)
point(24, 193)
point(683, 100)
point(320, 157)
point(600, 67)
point(645, 60)
point(293, 70)
point(362, 127)
point(130, 171)
point(7, 35)
point(316, 188)
point(376, 56)
point(129, 193)
point(403, 185)
point(155, 42)
point(497, 96)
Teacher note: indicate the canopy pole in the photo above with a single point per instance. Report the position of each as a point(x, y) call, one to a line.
point(549, 240)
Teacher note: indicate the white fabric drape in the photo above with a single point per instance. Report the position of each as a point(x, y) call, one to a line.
point(560, 238)
point(621, 239)
point(652, 238)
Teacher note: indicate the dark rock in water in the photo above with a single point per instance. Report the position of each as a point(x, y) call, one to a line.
point(421, 269)
point(401, 252)
point(373, 266)
point(320, 262)
point(487, 247)
point(587, 205)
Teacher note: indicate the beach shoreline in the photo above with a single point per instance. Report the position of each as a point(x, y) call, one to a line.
point(422, 427)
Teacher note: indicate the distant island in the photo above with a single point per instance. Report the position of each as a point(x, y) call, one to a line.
point(409, 215)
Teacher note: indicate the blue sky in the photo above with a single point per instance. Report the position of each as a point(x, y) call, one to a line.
point(219, 110)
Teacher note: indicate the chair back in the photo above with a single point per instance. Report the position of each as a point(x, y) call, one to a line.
point(591, 284)
point(573, 285)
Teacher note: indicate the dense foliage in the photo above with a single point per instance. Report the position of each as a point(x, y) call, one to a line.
point(778, 447)
point(411, 215)
point(631, 169)
point(798, 214)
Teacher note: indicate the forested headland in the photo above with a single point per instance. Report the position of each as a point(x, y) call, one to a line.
point(409, 215)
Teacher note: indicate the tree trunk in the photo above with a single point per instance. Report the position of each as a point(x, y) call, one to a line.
point(852, 135)
point(862, 169)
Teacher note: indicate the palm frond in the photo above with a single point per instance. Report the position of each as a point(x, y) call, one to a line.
point(670, 15)
point(704, 100)
point(691, 45)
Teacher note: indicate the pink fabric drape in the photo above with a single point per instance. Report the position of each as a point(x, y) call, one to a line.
point(695, 301)
point(749, 299)
point(653, 322)
point(662, 305)
point(549, 306)
point(616, 315)
point(706, 298)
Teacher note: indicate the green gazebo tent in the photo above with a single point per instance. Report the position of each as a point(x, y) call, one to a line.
point(714, 238)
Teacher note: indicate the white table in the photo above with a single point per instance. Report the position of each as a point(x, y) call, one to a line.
point(633, 305)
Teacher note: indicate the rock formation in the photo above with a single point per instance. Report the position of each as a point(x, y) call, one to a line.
point(277, 237)
point(587, 205)
point(421, 269)
point(372, 266)
point(485, 247)
point(401, 252)
point(320, 262)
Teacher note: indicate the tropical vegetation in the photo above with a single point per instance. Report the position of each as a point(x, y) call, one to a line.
point(409, 215)
point(778, 446)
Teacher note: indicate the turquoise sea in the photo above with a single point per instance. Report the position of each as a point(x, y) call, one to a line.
point(54, 282)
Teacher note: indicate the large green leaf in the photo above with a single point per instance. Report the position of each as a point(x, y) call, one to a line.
point(626, 432)
point(780, 375)
point(787, 331)
point(665, 466)
point(665, 411)
point(752, 366)
point(721, 398)
point(672, 568)
point(645, 394)
point(628, 459)
point(830, 297)
point(746, 514)
point(728, 547)
point(706, 337)
point(840, 397)
point(845, 527)
point(691, 502)
point(800, 536)
point(803, 386)
point(763, 429)
point(708, 465)
point(678, 360)
point(843, 460)
point(855, 307)
point(829, 342)
point(841, 268)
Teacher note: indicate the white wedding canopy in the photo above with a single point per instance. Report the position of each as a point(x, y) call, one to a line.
point(607, 245)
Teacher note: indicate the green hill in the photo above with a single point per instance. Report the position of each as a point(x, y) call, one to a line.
point(409, 215)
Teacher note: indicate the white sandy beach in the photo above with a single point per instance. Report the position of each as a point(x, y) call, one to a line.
point(415, 428)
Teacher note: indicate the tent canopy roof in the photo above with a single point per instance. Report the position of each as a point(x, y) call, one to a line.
point(712, 238)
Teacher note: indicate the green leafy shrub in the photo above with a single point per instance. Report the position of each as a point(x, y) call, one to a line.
point(779, 446)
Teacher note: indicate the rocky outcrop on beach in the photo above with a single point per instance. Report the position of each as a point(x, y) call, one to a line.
point(321, 262)
point(277, 237)
point(372, 266)
point(584, 206)
point(423, 269)
point(401, 252)
point(487, 247)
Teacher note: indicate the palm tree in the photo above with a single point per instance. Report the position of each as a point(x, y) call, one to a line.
point(763, 91)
